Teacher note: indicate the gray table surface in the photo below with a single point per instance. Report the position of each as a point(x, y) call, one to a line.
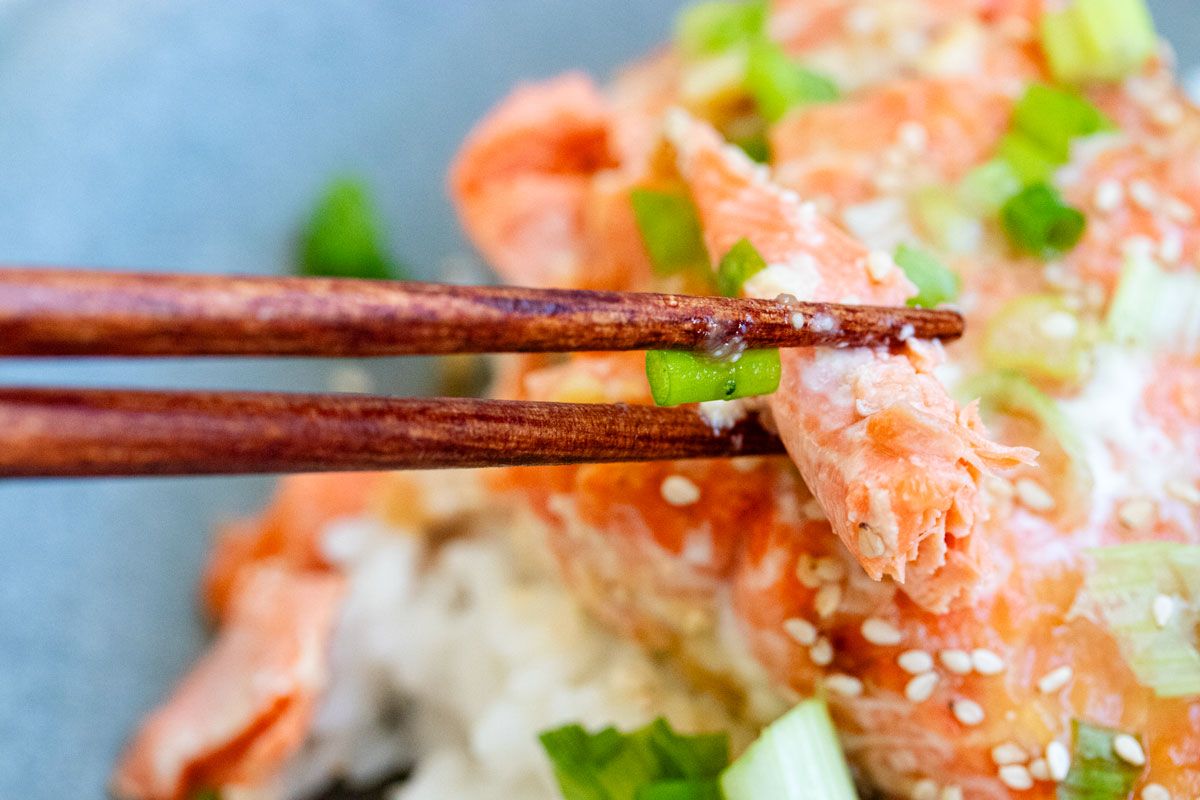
point(191, 135)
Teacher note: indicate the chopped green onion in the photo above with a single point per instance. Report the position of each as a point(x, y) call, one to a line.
point(678, 377)
point(945, 219)
point(1037, 220)
point(1098, 40)
point(779, 84)
point(1031, 162)
point(796, 756)
point(341, 239)
point(985, 189)
point(707, 28)
point(1128, 581)
point(652, 763)
point(670, 229)
point(741, 263)
point(1155, 308)
point(1052, 117)
point(935, 283)
point(1096, 773)
point(756, 146)
point(1039, 336)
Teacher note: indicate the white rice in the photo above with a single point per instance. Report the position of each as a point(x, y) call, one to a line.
point(452, 658)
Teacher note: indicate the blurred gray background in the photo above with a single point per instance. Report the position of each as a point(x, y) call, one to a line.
point(193, 135)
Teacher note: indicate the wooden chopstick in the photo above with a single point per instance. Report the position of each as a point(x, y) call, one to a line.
point(89, 432)
point(50, 312)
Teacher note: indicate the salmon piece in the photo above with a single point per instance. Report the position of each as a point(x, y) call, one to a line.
point(245, 707)
point(896, 466)
point(286, 532)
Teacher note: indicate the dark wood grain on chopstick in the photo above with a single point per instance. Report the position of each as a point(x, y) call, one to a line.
point(80, 432)
point(47, 312)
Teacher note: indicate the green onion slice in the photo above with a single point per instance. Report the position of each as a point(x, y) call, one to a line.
point(796, 756)
point(779, 84)
point(670, 229)
point(1127, 582)
point(935, 283)
point(1052, 117)
point(708, 28)
point(984, 189)
point(1097, 773)
point(1040, 336)
point(1097, 40)
point(677, 376)
point(739, 265)
point(342, 239)
point(1155, 308)
point(1036, 220)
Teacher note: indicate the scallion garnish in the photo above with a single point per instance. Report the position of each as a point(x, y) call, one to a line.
point(796, 756)
point(1016, 338)
point(1037, 220)
point(342, 239)
point(670, 229)
point(1097, 40)
point(652, 762)
point(1052, 117)
point(708, 28)
point(678, 376)
point(779, 84)
point(1155, 308)
point(1125, 588)
point(985, 188)
point(935, 283)
point(741, 263)
point(1096, 773)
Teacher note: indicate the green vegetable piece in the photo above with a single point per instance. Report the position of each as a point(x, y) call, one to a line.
point(700, 756)
point(778, 84)
point(935, 283)
point(796, 756)
point(1052, 117)
point(708, 28)
point(698, 789)
point(1036, 220)
point(678, 377)
point(670, 229)
point(342, 239)
point(739, 265)
point(1153, 307)
point(1124, 587)
point(984, 190)
point(757, 146)
point(1096, 771)
point(1015, 339)
point(1030, 161)
point(1098, 40)
point(206, 794)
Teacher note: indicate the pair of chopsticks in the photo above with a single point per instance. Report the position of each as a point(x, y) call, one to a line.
point(77, 432)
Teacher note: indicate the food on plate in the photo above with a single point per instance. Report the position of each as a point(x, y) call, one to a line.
point(977, 572)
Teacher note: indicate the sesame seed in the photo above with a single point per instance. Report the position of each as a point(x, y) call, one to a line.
point(1054, 680)
point(806, 571)
point(812, 509)
point(801, 630)
point(1129, 749)
point(986, 662)
point(797, 319)
point(914, 662)
point(1015, 776)
point(1136, 513)
point(870, 544)
point(845, 685)
point(1170, 249)
point(1168, 114)
point(880, 632)
point(951, 793)
point(1039, 770)
point(1033, 496)
point(913, 135)
point(862, 19)
point(828, 598)
point(957, 661)
point(1058, 760)
point(1143, 194)
point(1178, 210)
point(1183, 491)
point(679, 491)
point(821, 652)
point(968, 712)
point(924, 789)
point(1155, 791)
point(1059, 325)
point(830, 568)
point(1109, 195)
point(1008, 753)
point(919, 689)
point(1164, 609)
point(879, 265)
